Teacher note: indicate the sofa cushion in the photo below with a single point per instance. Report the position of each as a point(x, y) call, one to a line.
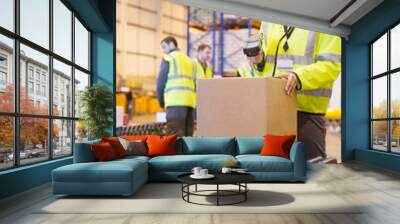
point(206, 145)
point(249, 145)
point(275, 145)
point(116, 145)
point(185, 163)
point(112, 171)
point(132, 158)
point(161, 145)
point(103, 152)
point(135, 137)
point(83, 152)
point(135, 147)
point(257, 163)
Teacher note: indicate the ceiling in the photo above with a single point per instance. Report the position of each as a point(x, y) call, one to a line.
point(329, 16)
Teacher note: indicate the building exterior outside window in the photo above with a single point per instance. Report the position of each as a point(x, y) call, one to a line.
point(40, 83)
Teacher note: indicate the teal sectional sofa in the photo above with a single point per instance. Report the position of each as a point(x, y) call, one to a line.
point(125, 176)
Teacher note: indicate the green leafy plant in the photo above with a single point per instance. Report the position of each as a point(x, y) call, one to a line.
point(96, 103)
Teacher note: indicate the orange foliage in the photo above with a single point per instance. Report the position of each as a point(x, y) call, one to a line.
point(33, 130)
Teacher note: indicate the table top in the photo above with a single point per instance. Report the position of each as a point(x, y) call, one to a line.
point(220, 178)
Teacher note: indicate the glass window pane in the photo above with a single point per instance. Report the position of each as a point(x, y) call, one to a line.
point(379, 97)
point(81, 81)
point(7, 14)
point(379, 135)
point(6, 74)
point(395, 47)
point(81, 45)
point(395, 136)
point(395, 94)
point(33, 139)
point(6, 142)
point(34, 96)
point(379, 55)
point(62, 89)
point(35, 21)
point(81, 132)
point(62, 138)
point(62, 29)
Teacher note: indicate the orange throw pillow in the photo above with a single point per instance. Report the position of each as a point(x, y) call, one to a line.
point(161, 145)
point(135, 137)
point(103, 152)
point(277, 145)
point(116, 145)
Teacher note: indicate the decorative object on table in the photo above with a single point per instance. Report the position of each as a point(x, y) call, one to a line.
point(226, 170)
point(239, 195)
point(230, 170)
point(96, 103)
point(200, 173)
point(202, 177)
point(196, 170)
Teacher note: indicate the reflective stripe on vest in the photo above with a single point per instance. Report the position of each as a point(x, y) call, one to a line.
point(316, 92)
point(179, 88)
point(301, 60)
point(329, 57)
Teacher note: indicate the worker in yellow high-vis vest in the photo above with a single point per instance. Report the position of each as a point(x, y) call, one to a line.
point(202, 66)
point(176, 88)
point(310, 62)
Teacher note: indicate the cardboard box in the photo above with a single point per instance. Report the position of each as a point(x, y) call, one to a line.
point(245, 107)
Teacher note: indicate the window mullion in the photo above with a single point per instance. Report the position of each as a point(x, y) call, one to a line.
point(73, 82)
point(389, 101)
point(50, 81)
point(16, 84)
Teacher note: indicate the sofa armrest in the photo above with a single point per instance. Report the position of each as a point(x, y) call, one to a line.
point(83, 152)
point(298, 156)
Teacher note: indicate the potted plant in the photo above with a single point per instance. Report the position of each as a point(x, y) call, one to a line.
point(96, 103)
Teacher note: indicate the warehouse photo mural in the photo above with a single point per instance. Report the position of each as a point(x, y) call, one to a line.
point(198, 72)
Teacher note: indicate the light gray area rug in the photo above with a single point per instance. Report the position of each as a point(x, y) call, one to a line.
point(166, 198)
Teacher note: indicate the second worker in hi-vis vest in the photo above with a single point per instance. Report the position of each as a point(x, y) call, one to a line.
point(310, 62)
point(176, 88)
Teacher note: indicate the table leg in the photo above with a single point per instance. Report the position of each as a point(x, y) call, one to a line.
point(182, 190)
point(217, 194)
point(196, 187)
point(245, 193)
point(188, 190)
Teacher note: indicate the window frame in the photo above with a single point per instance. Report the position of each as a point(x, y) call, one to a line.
point(388, 74)
point(16, 114)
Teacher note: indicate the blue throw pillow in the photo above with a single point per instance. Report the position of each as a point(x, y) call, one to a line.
point(207, 145)
point(249, 145)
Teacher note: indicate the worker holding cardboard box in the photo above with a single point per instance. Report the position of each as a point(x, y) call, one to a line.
point(176, 88)
point(310, 62)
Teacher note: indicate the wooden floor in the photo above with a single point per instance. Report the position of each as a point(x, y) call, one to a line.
point(378, 189)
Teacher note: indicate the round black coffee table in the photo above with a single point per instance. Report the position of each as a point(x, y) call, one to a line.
point(238, 179)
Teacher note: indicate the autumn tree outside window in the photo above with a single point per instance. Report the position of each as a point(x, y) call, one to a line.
point(44, 64)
